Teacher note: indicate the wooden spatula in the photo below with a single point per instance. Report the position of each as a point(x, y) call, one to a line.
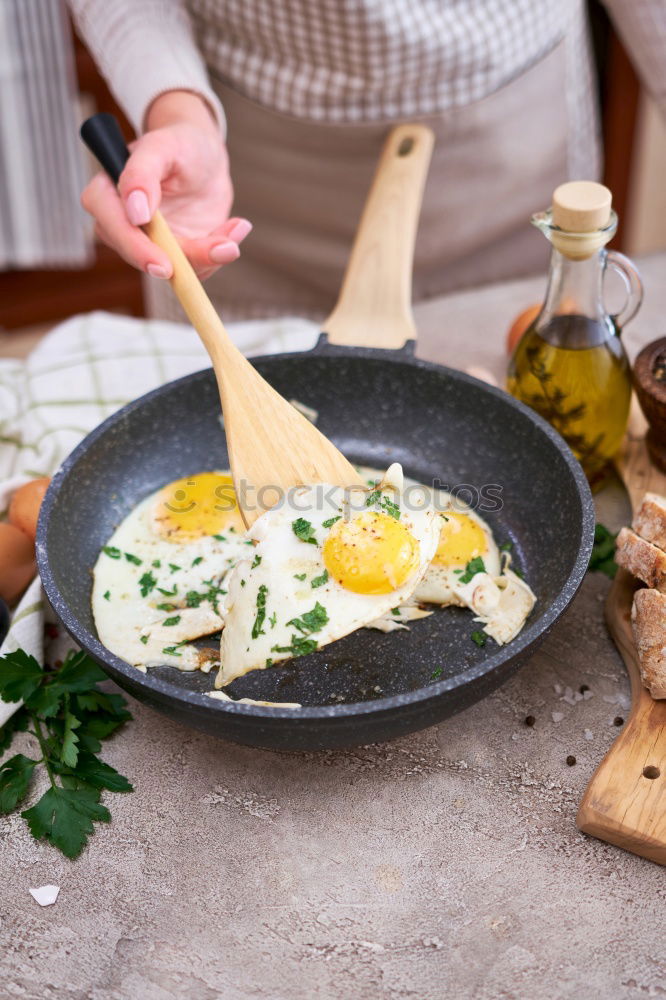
point(271, 446)
point(625, 801)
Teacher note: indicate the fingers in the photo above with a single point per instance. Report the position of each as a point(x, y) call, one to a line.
point(101, 200)
point(217, 248)
point(151, 161)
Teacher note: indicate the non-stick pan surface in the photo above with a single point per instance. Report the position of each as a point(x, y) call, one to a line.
point(378, 407)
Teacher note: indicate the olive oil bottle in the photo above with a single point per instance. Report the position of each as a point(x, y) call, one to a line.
point(570, 365)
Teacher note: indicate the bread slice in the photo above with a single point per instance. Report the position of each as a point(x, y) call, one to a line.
point(650, 520)
point(648, 622)
point(641, 558)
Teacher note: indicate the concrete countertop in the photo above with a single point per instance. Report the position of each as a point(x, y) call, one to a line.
point(446, 864)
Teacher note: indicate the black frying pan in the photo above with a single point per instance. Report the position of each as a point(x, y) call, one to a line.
point(378, 406)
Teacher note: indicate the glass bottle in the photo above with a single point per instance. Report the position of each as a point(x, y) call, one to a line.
point(570, 365)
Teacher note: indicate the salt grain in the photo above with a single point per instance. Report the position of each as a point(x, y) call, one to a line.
point(557, 716)
point(46, 895)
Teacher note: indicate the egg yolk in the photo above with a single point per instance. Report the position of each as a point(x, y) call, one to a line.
point(460, 540)
point(203, 504)
point(371, 554)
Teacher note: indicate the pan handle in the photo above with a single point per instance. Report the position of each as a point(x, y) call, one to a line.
point(374, 307)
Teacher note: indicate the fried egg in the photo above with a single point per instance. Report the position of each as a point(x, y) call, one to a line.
point(326, 562)
point(466, 547)
point(159, 582)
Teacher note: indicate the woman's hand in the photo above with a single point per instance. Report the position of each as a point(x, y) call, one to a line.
point(179, 165)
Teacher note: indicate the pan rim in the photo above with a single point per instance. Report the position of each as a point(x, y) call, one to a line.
point(163, 690)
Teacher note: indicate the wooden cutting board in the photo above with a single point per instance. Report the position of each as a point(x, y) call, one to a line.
point(625, 802)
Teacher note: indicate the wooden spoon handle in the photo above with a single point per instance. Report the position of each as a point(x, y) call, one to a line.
point(625, 802)
point(374, 308)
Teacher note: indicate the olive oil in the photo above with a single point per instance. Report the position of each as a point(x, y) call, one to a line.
point(570, 365)
point(576, 375)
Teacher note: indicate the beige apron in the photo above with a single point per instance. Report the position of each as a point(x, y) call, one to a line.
point(303, 185)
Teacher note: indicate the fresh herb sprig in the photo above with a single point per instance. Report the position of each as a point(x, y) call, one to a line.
point(602, 559)
point(68, 716)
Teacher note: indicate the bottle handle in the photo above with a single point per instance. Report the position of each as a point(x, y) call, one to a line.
point(633, 285)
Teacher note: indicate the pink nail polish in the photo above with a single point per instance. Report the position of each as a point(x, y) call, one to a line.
point(224, 253)
point(157, 271)
point(240, 231)
point(137, 207)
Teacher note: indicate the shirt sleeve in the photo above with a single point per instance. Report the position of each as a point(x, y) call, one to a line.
point(144, 48)
point(642, 25)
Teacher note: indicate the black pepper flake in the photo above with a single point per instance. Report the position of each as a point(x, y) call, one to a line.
point(529, 720)
point(618, 721)
point(583, 688)
point(571, 760)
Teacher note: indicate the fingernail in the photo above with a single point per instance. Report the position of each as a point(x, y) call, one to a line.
point(240, 231)
point(137, 207)
point(224, 253)
point(157, 271)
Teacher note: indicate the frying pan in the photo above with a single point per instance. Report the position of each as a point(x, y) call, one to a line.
point(378, 406)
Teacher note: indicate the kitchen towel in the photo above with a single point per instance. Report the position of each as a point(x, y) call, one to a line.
point(83, 371)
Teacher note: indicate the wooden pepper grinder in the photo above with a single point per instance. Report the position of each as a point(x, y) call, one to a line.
point(649, 377)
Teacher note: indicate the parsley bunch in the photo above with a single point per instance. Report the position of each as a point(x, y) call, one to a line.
point(69, 717)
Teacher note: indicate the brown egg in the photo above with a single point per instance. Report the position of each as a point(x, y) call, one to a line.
point(519, 325)
point(17, 562)
point(25, 504)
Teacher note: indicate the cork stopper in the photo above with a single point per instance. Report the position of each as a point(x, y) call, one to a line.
point(582, 212)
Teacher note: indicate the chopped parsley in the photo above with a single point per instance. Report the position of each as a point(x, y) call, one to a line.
point(243, 582)
point(256, 562)
point(171, 621)
point(168, 593)
point(479, 637)
point(311, 621)
point(143, 639)
point(319, 581)
point(395, 611)
point(156, 563)
point(147, 583)
point(174, 568)
point(303, 530)
point(391, 508)
point(273, 620)
point(195, 562)
point(111, 552)
point(372, 498)
point(166, 607)
point(269, 663)
point(437, 672)
point(257, 628)
point(220, 538)
point(506, 546)
point(107, 596)
point(171, 650)
point(331, 521)
point(299, 576)
point(473, 567)
point(193, 599)
point(298, 647)
point(603, 552)
point(133, 559)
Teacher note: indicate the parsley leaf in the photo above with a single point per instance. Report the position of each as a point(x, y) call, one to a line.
point(473, 567)
point(171, 650)
point(437, 672)
point(273, 620)
point(300, 576)
point(257, 629)
point(174, 568)
point(171, 621)
point(391, 508)
point(602, 559)
point(133, 559)
point(147, 583)
point(319, 581)
point(111, 551)
point(331, 521)
point(20, 676)
point(303, 530)
point(256, 562)
point(64, 816)
point(199, 559)
point(15, 775)
point(107, 595)
point(298, 647)
point(193, 599)
point(70, 750)
point(166, 606)
point(479, 637)
point(372, 498)
point(143, 639)
point(168, 593)
point(156, 563)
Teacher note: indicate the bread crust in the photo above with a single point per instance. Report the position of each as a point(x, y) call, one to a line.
point(648, 623)
point(650, 520)
point(641, 558)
